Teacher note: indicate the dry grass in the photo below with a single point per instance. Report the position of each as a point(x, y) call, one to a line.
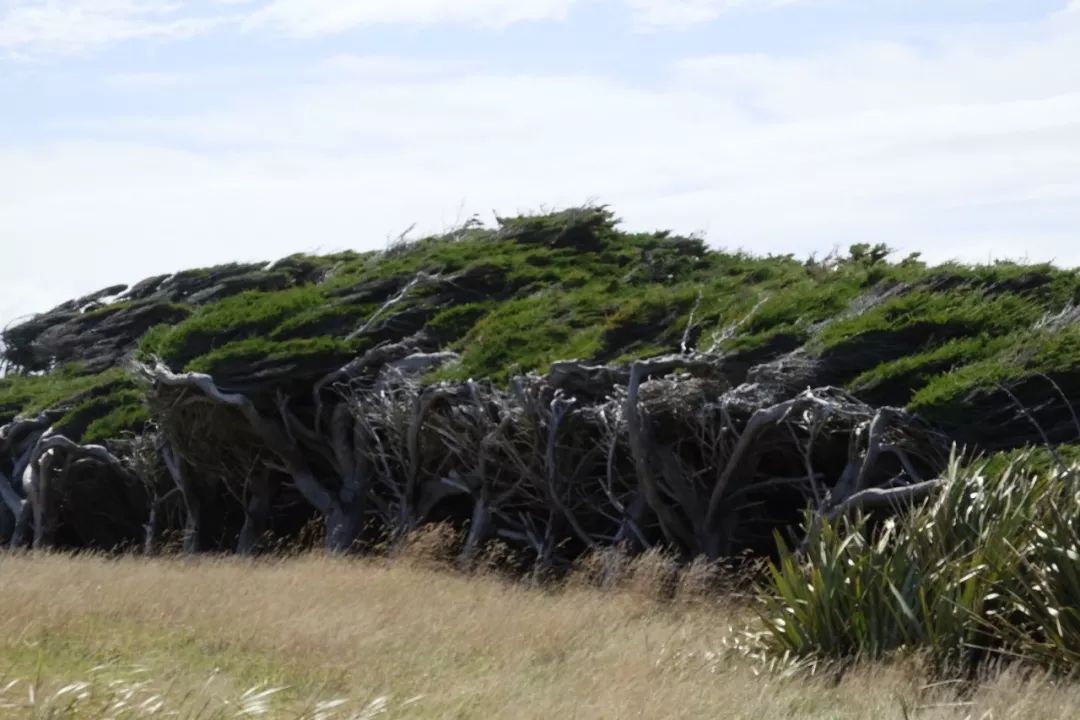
point(217, 638)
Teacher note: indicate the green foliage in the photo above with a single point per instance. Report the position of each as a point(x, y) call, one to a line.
point(569, 284)
point(654, 316)
point(455, 322)
point(937, 316)
point(1037, 459)
point(989, 567)
point(1051, 352)
point(908, 374)
point(31, 394)
point(580, 228)
point(323, 319)
point(118, 409)
point(867, 254)
point(243, 354)
point(572, 284)
point(129, 417)
point(90, 407)
point(793, 308)
point(247, 315)
point(531, 333)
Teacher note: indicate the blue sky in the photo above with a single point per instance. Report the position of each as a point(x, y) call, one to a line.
point(142, 136)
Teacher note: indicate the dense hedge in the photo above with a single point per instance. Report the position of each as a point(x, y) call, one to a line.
point(534, 290)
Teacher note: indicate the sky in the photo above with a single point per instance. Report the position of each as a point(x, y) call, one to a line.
point(145, 136)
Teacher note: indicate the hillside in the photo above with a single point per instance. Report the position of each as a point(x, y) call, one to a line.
point(713, 393)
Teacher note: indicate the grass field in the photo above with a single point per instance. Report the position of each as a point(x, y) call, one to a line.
point(321, 638)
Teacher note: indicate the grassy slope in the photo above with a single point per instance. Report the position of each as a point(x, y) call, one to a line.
point(572, 285)
point(432, 643)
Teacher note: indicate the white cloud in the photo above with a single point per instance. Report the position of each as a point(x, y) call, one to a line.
point(34, 27)
point(67, 26)
point(154, 79)
point(682, 13)
point(391, 68)
point(977, 68)
point(319, 17)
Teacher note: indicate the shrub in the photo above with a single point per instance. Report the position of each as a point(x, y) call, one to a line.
point(988, 568)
